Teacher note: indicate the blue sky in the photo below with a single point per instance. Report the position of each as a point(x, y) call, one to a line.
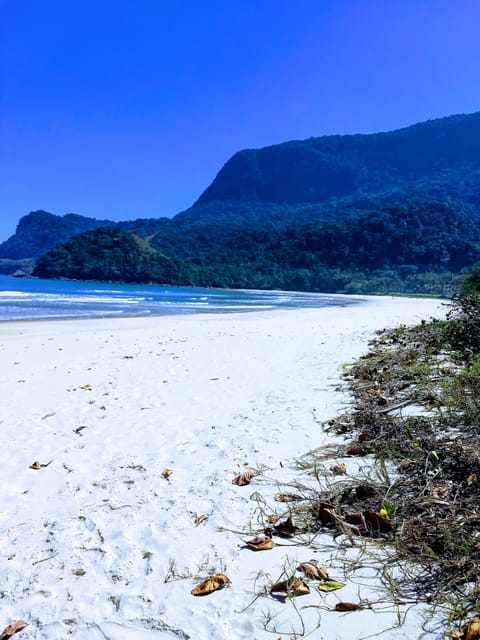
point(129, 109)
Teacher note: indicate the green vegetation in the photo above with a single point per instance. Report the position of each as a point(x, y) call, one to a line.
point(417, 413)
point(107, 254)
point(395, 212)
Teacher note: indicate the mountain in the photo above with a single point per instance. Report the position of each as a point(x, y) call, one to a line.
point(427, 159)
point(107, 254)
point(393, 211)
point(39, 230)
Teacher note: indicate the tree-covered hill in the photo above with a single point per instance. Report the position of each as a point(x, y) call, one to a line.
point(107, 254)
point(40, 230)
point(424, 159)
point(416, 248)
point(394, 211)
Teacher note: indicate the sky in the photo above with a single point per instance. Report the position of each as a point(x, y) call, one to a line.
point(125, 109)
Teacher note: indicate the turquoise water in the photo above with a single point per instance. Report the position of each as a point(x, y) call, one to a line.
point(30, 298)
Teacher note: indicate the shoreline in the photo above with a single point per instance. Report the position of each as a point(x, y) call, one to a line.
point(100, 543)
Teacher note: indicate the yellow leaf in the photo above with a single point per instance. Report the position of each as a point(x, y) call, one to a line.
point(200, 519)
point(330, 585)
point(48, 415)
point(166, 473)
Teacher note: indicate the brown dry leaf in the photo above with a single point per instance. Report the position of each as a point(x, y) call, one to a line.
point(405, 463)
point(287, 497)
point(471, 479)
point(38, 465)
point(377, 522)
point(472, 631)
point(48, 415)
point(200, 519)
point(285, 529)
point(214, 583)
point(354, 450)
point(272, 518)
point(85, 387)
point(339, 469)
point(166, 473)
point(313, 571)
point(440, 492)
point(260, 544)
point(347, 606)
point(244, 478)
point(293, 586)
point(468, 631)
point(12, 629)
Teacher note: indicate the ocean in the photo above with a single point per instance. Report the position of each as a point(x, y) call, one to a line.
point(31, 299)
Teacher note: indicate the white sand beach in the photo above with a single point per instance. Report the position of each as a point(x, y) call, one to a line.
point(100, 545)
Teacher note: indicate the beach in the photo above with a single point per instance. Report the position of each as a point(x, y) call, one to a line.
point(139, 426)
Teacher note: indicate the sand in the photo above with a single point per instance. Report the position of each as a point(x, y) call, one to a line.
point(100, 544)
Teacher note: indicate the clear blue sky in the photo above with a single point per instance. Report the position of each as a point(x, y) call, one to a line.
point(128, 109)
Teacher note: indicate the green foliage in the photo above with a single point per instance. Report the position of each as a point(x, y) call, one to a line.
point(463, 330)
point(395, 212)
point(110, 255)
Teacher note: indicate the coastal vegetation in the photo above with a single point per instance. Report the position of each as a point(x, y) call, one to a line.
point(416, 416)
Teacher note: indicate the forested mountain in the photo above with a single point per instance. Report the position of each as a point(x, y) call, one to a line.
point(414, 248)
point(40, 230)
point(435, 158)
point(395, 211)
point(107, 254)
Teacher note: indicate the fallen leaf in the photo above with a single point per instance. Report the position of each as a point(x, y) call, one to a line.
point(468, 631)
point(85, 387)
point(285, 529)
point(48, 415)
point(377, 522)
point(339, 469)
point(405, 463)
point(12, 629)
point(80, 428)
point(287, 497)
point(166, 473)
point(244, 478)
point(272, 518)
point(200, 519)
point(440, 492)
point(328, 516)
point(330, 585)
point(38, 465)
point(214, 583)
point(260, 543)
point(293, 586)
point(471, 479)
point(313, 571)
point(354, 451)
point(357, 520)
point(473, 630)
point(347, 606)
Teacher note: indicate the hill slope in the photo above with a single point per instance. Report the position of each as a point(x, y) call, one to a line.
point(395, 211)
point(425, 159)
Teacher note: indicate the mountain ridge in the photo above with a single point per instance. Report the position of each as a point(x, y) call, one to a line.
point(274, 197)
